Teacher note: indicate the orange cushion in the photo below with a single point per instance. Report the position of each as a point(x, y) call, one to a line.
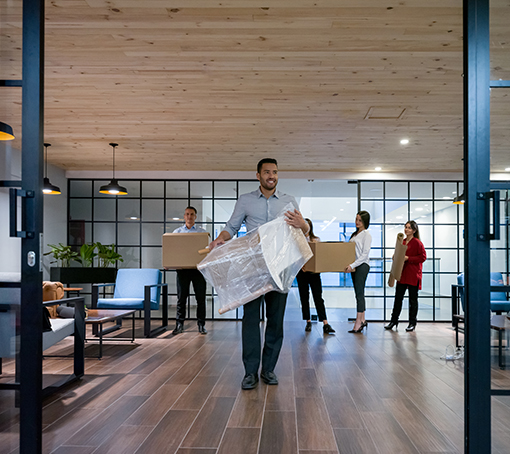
point(52, 291)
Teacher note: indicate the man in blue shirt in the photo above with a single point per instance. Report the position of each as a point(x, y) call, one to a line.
point(185, 277)
point(254, 209)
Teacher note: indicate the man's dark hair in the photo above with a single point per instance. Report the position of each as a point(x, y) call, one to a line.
point(265, 161)
point(191, 208)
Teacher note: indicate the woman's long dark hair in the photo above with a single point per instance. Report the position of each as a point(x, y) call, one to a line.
point(365, 219)
point(312, 235)
point(414, 226)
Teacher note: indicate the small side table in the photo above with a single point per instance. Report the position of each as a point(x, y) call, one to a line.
point(101, 316)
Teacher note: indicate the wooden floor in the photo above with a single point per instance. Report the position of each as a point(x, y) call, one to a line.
point(379, 392)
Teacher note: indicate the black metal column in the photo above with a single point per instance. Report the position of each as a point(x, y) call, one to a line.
point(32, 226)
point(477, 377)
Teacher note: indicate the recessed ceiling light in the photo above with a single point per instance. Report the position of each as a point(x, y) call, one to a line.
point(419, 209)
point(507, 169)
point(377, 169)
point(404, 141)
point(399, 217)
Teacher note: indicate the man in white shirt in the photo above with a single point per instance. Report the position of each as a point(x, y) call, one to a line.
point(186, 277)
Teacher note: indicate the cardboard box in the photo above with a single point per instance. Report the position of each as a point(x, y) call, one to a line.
point(180, 250)
point(330, 257)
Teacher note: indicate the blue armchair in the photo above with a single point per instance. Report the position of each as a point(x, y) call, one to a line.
point(136, 288)
point(499, 300)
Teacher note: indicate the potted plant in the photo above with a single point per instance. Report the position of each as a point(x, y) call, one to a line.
point(87, 254)
point(62, 254)
point(86, 274)
point(107, 255)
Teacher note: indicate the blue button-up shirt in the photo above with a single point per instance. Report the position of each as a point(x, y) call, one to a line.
point(254, 210)
point(194, 228)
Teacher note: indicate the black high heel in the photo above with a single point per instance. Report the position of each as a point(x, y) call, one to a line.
point(411, 327)
point(357, 331)
point(391, 325)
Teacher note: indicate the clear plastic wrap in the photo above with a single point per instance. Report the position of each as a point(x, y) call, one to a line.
point(265, 259)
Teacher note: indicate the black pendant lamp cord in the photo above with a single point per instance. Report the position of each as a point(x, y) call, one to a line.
point(113, 145)
point(46, 145)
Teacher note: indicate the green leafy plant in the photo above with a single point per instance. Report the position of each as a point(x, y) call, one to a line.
point(87, 254)
point(107, 255)
point(62, 254)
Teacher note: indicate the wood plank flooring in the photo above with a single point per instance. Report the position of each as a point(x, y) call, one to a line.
point(379, 392)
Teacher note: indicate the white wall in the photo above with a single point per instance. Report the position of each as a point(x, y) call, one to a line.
point(10, 248)
point(55, 209)
point(55, 216)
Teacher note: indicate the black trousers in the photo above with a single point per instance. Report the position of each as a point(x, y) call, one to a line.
point(184, 279)
point(359, 279)
point(305, 279)
point(275, 311)
point(400, 291)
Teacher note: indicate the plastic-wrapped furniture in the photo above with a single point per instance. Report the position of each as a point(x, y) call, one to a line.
point(136, 288)
point(265, 259)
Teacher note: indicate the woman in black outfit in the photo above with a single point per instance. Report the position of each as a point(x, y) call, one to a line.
point(307, 279)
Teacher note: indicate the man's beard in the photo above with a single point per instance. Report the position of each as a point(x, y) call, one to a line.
point(265, 186)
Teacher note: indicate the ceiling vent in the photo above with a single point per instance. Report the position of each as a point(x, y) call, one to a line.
point(385, 113)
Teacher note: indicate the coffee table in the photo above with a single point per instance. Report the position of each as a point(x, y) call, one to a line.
point(98, 317)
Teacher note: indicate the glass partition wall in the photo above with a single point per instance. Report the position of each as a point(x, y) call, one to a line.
point(440, 223)
point(136, 222)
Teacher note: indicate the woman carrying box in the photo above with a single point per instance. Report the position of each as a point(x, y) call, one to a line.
point(307, 279)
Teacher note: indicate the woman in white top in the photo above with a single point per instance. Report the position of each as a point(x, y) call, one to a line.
point(360, 267)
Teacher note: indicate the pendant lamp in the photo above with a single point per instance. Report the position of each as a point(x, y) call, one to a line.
point(48, 188)
point(459, 200)
point(6, 132)
point(113, 187)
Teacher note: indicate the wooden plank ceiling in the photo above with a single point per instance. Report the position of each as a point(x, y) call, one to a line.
point(322, 85)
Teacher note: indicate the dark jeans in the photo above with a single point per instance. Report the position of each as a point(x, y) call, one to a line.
point(184, 279)
point(400, 291)
point(359, 279)
point(275, 310)
point(305, 279)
